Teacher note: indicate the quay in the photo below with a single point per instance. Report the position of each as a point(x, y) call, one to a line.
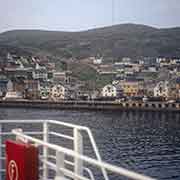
point(93, 105)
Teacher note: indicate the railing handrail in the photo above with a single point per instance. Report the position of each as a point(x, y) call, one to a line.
point(22, 121)
point(100, 164)
point(97, 162)
point(48, 121)
point(73, 126)
point(88, 131)
point(68, 125)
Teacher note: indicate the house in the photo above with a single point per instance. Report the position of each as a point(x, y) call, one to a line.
point(161, 89)
point(178, 87)
point(44, 92)
point(126, 59)
point(63, 77)
point(160, 59)
point(131, 87)
point(94, 94)
point(97, 61)
point(59, 77)
point(10, 86)
point(106, 69)
point(148, 87)
point(13, 95)
point(58, 92)
point(3, 87)
point(109, 91)
point(18, 72)
point(152, 69)
point(40, 72)
point(119, 91)
point(19, 85)
point(12, 90)
point(32, 89)
point(83, 95)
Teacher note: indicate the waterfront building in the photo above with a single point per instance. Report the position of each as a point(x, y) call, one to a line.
point(3, 87)
point(119, 91)
point(148, 87)
point(13, 95)
point(94, 94)
point(12, 92)
point(10, 86)
point(32, 89)
point(131, 87)
point(109, 91)
point(57, 92)
point(161, 89)
point(19, 86)
point(44, 92)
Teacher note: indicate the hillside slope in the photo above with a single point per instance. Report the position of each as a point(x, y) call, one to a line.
point(116, 41)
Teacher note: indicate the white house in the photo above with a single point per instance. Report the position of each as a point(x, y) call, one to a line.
point(11, 93)
point(97, 60)
point(44, 92)
point(40, 74)
point(58, 92)
point(109, 91)
point(161, 89)
point(152, 69)
point(10, 86)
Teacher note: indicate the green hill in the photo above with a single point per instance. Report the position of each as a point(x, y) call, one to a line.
point(116, 41)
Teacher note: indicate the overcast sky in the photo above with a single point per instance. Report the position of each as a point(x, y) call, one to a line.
point(75, 15)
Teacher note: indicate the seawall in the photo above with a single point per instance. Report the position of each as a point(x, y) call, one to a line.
point(92, 105)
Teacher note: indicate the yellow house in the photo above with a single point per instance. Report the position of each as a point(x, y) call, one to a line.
point(130, 88)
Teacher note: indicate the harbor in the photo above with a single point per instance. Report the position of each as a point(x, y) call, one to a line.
point(93, 105)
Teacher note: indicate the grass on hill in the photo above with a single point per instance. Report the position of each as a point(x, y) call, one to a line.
point(89, 75)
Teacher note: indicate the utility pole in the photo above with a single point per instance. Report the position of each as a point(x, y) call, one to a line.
point(113, 4)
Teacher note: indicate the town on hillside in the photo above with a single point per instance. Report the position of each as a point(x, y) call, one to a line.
point(125, 79)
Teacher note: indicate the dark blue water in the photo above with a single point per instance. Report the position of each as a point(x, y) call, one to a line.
point(146, 142)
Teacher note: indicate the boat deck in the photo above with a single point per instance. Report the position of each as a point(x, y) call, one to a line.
point(61, 150)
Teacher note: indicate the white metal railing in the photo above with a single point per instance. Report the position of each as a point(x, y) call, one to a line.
point(58, 162)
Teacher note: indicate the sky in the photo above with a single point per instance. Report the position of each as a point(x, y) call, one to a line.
point(78, 15)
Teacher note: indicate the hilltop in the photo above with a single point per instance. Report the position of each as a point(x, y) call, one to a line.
point(116, 41)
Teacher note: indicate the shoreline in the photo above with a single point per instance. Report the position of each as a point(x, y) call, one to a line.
point(92, 105)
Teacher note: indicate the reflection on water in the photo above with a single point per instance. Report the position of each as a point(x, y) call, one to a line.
point(147, 142)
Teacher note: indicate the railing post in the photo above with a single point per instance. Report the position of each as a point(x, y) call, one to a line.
point(45, 149)
point(59, 164)
point(1, 166)
point(78, 148)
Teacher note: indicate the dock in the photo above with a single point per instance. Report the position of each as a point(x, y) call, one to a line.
point(92, 105)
